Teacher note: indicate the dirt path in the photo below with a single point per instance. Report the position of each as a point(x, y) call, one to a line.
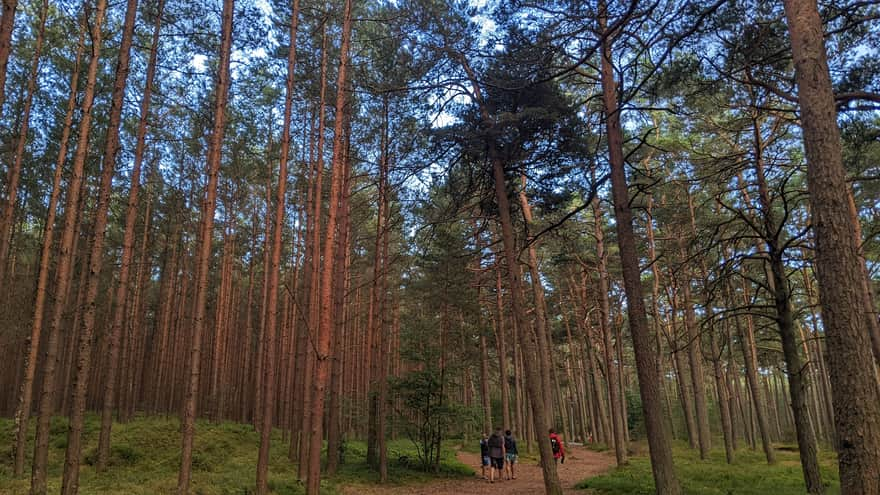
point(580, 463)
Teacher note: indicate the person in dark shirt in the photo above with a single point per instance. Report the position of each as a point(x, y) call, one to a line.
point(496, 455)
point(484, 454)
point(511, 455)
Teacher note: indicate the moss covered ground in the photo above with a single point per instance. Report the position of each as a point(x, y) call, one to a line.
point(748, 475)
point(146, 453)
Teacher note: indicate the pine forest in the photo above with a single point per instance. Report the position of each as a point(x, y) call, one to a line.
point(340, 246)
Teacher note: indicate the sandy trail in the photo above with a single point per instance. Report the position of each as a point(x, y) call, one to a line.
point(580, 463)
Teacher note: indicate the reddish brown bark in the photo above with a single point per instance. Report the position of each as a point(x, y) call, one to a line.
point(614, 396)
point(340, 302)
point(275, 266)
point(545, 343)
point(70, 480)
point(501, 342)
point(23, 411)
point(65, 258)
point(659, 445)
point(7, 219)
point(203, 255)
point(325, 330)
point(7, 22)
point(127, 248)
point(842, 293)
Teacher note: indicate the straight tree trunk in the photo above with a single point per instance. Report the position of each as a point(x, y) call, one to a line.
point(275, 267)
point(23, 410)
point(70, 480)
point(545, 344)
point(695, 360)
point(854, 382)
point(314, 269)
point(527, 336)
point(325, 330)
point(501, 342)
point(342, 286)
point(65, 258)
point(658, 441)
point(8, 217)
point(127, 251)
point(7, 22)
point(376, 329)
point(203, 254)
point(747, 344)
point(617, 418)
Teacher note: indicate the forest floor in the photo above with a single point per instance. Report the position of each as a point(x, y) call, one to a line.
point(579, 463)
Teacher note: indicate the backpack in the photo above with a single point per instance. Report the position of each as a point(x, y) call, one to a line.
point(509, 445)
point(495, 445)
point(554, 444)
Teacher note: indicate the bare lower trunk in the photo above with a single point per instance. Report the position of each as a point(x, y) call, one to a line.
point(614, 396)
point(854, 382)
point(747, 344)
point(203, 255)
point(70, 481)
point(268, 405)
point(22, 413)
point(501, 341)
point(325, 330)
point(127, 252)
point(65, 258)
point(658, 440)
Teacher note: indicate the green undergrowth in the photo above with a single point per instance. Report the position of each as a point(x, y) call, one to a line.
point(748, 475)
point(145, 457)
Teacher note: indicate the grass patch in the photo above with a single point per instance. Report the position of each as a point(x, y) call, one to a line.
point(748, 475)
point(145, 457)
point(403, 464)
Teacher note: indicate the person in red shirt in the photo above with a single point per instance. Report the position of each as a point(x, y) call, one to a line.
point(556, 446)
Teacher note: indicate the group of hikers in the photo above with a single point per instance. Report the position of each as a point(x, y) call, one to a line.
point(499, 454)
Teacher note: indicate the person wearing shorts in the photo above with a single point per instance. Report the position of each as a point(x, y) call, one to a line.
point(484, 454)
point(511, 454)
point(496, 455)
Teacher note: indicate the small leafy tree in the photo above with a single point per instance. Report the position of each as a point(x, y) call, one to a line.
point(423, 415)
